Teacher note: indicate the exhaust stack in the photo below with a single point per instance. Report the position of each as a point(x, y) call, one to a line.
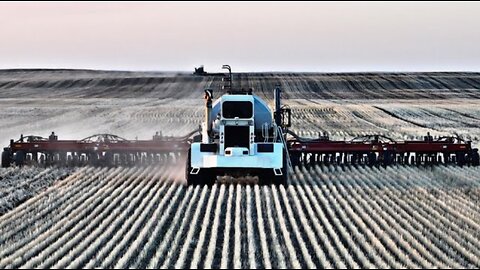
point(278, 105)
point(208, 111)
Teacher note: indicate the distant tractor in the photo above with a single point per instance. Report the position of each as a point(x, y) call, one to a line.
point(200, 71)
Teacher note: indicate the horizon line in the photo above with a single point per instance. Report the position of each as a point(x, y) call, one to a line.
point(241, 71)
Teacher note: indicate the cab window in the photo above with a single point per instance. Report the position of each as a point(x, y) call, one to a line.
point(240, 109)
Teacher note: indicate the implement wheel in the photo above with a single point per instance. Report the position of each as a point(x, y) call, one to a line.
point(475, 157)
point(460, 158)
point(6, 158)
point(372, 159)
point(20, 158)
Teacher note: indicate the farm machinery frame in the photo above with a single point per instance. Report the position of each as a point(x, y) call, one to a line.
point(111, 150)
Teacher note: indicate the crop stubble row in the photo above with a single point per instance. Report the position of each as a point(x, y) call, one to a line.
point(336, 216)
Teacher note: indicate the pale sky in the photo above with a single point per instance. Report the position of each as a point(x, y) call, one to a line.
point(296, 36)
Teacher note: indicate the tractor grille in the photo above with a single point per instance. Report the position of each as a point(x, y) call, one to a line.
point(237, 136)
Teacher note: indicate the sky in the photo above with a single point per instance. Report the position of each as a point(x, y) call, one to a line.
point(250, 36)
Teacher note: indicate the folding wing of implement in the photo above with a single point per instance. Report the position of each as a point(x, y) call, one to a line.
point(100, 149)
point(380, 150)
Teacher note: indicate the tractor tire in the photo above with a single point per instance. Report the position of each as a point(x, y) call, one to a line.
point(207, 177)
point(267, 177)
point(191, 179)
point(6, 158)
point(282, 179)
point(203, 177)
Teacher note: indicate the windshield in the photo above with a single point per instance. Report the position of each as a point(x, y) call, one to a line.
point(240, 109)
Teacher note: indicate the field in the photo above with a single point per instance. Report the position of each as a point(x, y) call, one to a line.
point(329, 216)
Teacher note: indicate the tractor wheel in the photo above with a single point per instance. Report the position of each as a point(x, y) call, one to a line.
point(282, 179)
point(267, 177)
point(191, 179)
point(295, 158)
point(207, 177)
point(6, 158)
point(204, 177)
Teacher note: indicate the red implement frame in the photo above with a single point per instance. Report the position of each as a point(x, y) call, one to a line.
point(106, 149)
point(372, 150)
point(101, 149)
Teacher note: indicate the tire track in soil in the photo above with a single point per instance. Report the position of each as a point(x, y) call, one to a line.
point(403, 119)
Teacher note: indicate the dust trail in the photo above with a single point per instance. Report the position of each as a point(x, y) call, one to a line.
point(175, 171)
